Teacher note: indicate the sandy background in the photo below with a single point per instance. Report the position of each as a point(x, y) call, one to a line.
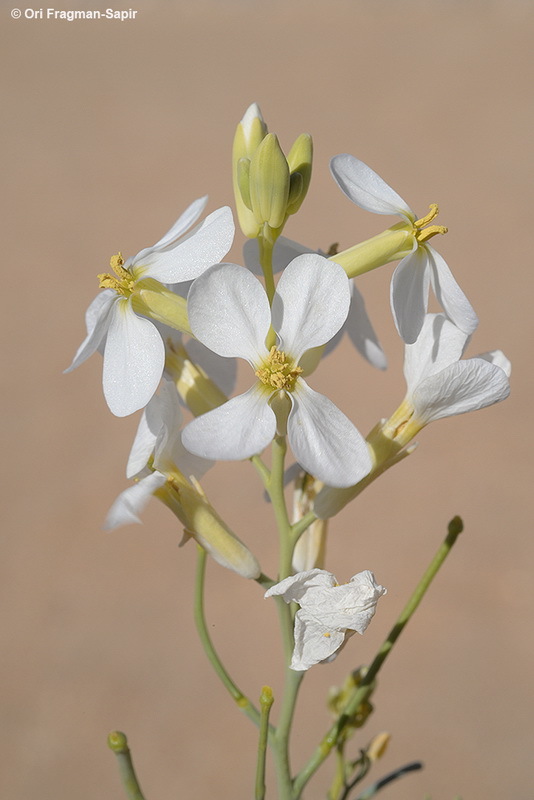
point(110, 130)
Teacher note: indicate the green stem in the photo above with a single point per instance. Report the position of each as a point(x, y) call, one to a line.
point(118, 742)
point(200, 620)
point(266, 701)
point(266, 245)
point(367, 684)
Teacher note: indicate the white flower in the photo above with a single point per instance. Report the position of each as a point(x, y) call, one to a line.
point(229, 312)
point(134, 352)
point(160, 463)
point(439, 384)
point(358, 325)
point(422, 267)
point(328, 613)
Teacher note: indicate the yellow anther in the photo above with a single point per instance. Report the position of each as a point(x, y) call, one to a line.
point(432, 214)
point(278, 371)
point(327, 635)
point(124, 282)
point(428, 233)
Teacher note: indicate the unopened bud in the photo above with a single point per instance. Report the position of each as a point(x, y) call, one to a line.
point(378, 746)
point(269, 183)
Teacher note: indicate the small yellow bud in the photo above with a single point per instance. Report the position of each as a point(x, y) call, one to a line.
point(248, 136)
point(118, 742)
point(378, 746)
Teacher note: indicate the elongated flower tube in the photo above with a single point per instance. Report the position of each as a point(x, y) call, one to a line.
point(439, 385)
point(159, 463)
point(420, 267)
point(329, 613)
point(229, 312)
point(134, 353)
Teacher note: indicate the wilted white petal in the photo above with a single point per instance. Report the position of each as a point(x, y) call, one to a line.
point(238, 429)
point(409, 294)
point(461, 387)
point(145, 438)
point(133, 360)
point(131, 502)
point(367, 189)
point(324, 441)
point(294, 588)
point(439, 344)
point(206, 244)
point(97, 322)
point(229, 312)
point(449, 295)
point(314, 642)
point(310, 304)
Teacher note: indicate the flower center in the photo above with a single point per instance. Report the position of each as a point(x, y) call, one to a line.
point(278, 371)
point(123, 283)
point(422, 234)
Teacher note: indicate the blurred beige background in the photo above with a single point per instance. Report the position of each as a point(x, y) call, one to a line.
point(110, 130)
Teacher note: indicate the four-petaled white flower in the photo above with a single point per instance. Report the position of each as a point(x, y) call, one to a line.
point(229, 312)
point(439, 384)
point(416, 271)
point(329, 614)
point(134, 353)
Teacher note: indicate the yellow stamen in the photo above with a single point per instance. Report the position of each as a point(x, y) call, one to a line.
point(124, 282)
point(428, 233)
point(432, 214)
point(278, 371)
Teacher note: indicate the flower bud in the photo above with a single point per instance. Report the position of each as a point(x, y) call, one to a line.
point(269, 183)
point(248, 136)
point(378, 746)
point(300, 165)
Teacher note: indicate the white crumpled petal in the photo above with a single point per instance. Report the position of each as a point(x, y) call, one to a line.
point(464, 386)
point(239, 429)
point(439, 344)
point(310, 304)
point(294, 588)
point(409, 294)
point(130, 503)
point(368, 190)
point(324, 441)
point(134, 357)
point(498, 358)
point(328, 613)
point(204, 245)
point(448, 293)
point(97, 322)
point(314, 642)
point(229, 312)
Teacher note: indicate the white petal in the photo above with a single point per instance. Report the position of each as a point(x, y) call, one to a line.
point(183, 223)
point(133, 360)
point(367, 189)
point(294, 588)
point(229, 312)
point(131, 502)
point(461, 387)
point(96, 321)
point(498, 358)
point(314, 642)
point(361, 332)
point(409, 294)
point(324, 441)
point(439, 344)
point(359, 603)
point(204, 245)
point(238, 429)
point(449, 295)
point(311, 303)
point(169, 452)
point(145, 437)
